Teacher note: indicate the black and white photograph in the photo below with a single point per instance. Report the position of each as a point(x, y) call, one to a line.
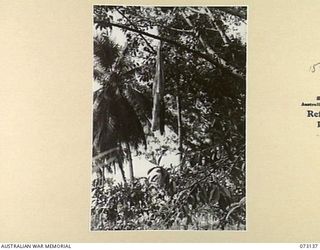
point(169, 118)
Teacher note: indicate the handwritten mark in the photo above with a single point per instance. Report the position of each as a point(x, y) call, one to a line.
point(313, 67)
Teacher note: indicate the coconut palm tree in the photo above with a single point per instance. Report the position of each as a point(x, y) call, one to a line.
point(119, 110)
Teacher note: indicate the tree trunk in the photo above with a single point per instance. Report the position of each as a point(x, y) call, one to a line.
point(122, 171)
point(157, 91)
point(130, 162)
point(179, 126)
point(224, 37)
point(220, 61)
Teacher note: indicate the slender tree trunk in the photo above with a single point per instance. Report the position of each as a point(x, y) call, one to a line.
point(211, 52)
point(224, 37)
point(179, 125)
point(131, 173)
point(179, 119)
point(122, 172)
point(206, 11)
point(157, 91)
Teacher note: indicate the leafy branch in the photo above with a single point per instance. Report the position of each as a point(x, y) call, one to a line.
point(214, 58)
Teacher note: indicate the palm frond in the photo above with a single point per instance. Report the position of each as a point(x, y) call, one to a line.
point(130, 127)
point(105, 51)
point(141, 103)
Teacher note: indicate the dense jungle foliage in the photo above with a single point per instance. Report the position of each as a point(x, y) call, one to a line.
point(177, 85)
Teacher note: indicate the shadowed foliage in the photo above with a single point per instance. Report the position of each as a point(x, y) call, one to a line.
point(182, 70)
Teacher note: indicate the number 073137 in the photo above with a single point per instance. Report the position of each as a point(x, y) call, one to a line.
point(309, 245)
